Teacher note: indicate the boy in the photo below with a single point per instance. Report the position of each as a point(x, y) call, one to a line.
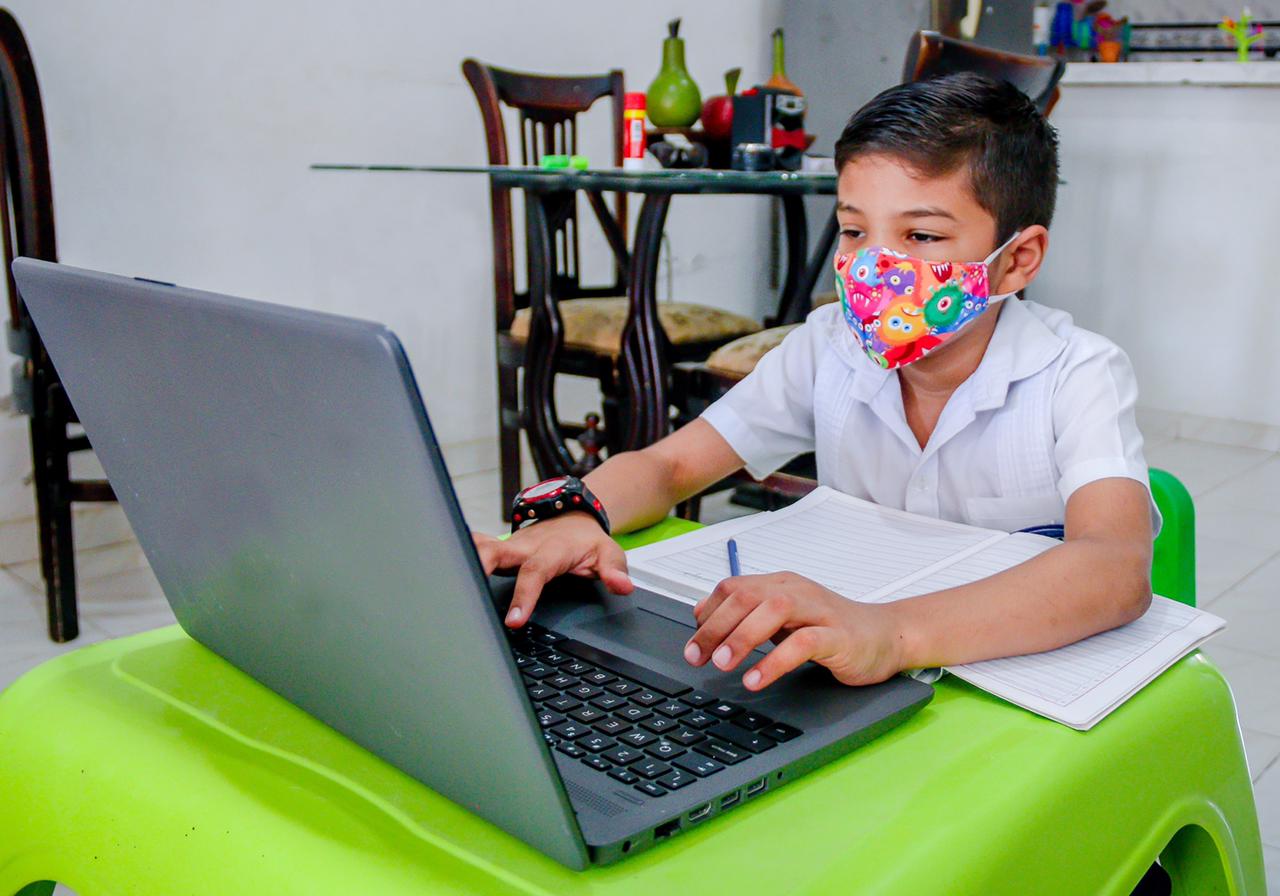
point(929, 388)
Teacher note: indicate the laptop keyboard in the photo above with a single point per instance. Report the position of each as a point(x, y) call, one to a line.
point(633, 724)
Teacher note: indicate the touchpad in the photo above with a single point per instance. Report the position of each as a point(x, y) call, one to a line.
point(651, 633)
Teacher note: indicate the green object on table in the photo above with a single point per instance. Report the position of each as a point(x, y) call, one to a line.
point(150, 766)
point(1173, 561)
point(673, 99)
point(553, 162)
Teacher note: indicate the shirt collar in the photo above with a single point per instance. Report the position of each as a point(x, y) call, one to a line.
point(1021, 346)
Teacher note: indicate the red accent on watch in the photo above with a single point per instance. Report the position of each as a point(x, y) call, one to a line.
point(545, 500)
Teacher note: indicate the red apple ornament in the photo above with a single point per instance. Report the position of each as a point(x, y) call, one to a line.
point(717, 112)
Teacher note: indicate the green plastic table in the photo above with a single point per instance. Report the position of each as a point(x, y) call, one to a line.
point(148, 765)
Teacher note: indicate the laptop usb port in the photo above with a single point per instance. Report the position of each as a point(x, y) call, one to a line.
point(666, 829)
point(700, 813)
point(756, 787)
point(729, 800)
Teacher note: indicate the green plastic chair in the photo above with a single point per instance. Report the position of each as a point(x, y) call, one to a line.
point(149, 765)
point(1173, 562)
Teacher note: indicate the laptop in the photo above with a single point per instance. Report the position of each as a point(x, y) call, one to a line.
point(282, 477)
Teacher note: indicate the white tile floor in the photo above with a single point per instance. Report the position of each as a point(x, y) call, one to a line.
point(1237, 494)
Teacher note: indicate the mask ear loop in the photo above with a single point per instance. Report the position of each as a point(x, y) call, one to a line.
point(1000, 297)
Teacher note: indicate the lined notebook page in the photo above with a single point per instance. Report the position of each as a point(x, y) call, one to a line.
point(1082, 682)
point(855, 548)
point(1003, 554)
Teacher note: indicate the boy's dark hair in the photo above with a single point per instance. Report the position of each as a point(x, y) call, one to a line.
point(965, 119)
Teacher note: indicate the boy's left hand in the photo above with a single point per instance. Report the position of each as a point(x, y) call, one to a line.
point(859, 643)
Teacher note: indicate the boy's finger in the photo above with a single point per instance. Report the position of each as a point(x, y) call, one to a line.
point(703, 608)
point(716, 625)
point(758, 626)
point(611, 567)
point(810, 643)
point(534, 574)
point(495, 554)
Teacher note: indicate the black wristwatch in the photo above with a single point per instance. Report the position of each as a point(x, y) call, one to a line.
point(552, 497)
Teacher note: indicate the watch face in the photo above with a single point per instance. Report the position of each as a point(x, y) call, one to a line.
point(543, 489)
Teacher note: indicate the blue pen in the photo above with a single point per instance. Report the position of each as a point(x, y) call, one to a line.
point(734, 569)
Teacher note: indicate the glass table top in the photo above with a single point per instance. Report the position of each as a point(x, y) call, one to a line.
point(666, 180)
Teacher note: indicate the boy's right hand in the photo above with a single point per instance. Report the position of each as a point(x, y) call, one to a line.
point(573, 544)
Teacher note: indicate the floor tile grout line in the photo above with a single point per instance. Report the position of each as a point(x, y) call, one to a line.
point(1225, 591)
point(1230, 479)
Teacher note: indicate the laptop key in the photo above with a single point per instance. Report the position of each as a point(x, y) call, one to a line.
point(616, 664)
point(522, 661)
point(571, 730)
point(597, 763)
point(647, 698)
point(608, 701)
point(699, 699)
point(650, 768)
point(664, 749)
point(626, 777)
point(748, 740)
point(596, 743)
point(598, 677)
point(722, 752)
point(612, 726)
point(621, 755)
point(563, 703)
point(685, 737)
point(698, 719)
point(701, 766)
point(547, 719)
point(723, 710)
point(753, 721)
point(571, 750)
point(539, 671)
point(541, 692)
point(560, 682)
point(587, 714)
point(577, 667)
point(781, 732)
point(651, 789)
point(659, 724)
point(554, 657)
point(637, 738)
point(623, 687)
point(633, 713)
point(585, 691)
point(673, 708)
point(546, 637)
point(676, 778)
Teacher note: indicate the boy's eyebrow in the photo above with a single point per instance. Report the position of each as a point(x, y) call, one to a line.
point(922, 212)
point(928, 212)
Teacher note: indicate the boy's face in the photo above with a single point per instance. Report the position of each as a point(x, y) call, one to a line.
point(883, 202)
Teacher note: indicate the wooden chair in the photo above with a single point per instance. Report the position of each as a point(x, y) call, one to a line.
point(697, 385)
point(593, 316)
point(931, 54)
point(27, 229)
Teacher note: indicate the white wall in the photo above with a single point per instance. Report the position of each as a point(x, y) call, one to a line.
point(1165, 231)
point(181, 135)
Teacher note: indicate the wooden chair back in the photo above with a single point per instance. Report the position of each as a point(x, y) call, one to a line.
point(26, 219)
point(548, 107)
point(932, 54)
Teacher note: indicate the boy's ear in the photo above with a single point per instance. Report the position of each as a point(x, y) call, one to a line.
point(1022, 260)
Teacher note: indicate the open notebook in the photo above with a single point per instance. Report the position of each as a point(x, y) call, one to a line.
point(871, 553)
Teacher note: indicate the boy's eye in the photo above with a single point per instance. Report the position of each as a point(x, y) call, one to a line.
point(850, 233)
point(918, 237)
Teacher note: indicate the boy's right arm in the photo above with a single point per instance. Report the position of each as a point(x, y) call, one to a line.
point(637, 489)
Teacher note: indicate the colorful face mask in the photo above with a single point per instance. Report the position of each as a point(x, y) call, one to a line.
point(901, 307)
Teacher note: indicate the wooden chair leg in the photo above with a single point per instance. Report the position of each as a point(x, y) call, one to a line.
point(53, 505)
point(508, 438)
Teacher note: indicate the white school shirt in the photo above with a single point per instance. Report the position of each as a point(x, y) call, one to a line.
point(1050, 408)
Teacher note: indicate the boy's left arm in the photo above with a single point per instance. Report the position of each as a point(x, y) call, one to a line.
point(1099, 578)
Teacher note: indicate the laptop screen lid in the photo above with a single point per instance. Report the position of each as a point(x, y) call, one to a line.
point(281, 475)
